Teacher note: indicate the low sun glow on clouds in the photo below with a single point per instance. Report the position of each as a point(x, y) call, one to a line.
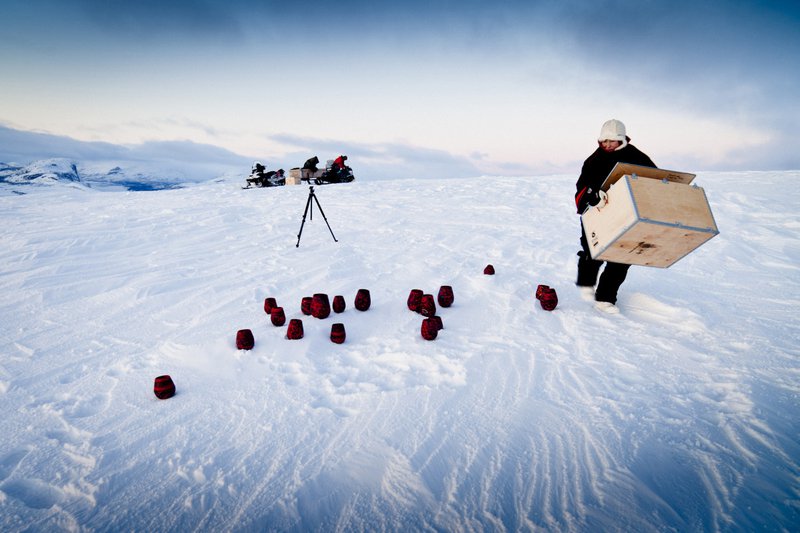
point(519, 89)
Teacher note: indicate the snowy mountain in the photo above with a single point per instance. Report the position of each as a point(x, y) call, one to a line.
point(150, 165)
point(46, 171)
point(191, 162)
point(104, 176)
point(679, 414)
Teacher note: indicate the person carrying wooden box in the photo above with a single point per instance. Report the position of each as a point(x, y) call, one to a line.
point(613, 147)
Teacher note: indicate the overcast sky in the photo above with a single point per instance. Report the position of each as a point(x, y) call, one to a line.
point(505, 87)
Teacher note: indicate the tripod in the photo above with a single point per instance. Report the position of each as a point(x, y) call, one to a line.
point(310, 208)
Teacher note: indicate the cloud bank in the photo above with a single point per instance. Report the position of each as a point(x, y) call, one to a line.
point(515, 86)
point(201, 161)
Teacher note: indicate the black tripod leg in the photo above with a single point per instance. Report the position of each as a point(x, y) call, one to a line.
point(303, 223)
point(324, 217)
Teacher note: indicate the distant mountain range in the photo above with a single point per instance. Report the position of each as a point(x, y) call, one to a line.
point(39, 172)
point(95, 176)
point(31, 158)
point(156, 164)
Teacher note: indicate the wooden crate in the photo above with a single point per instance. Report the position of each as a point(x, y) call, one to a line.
point(299, 175)
point(649, 222)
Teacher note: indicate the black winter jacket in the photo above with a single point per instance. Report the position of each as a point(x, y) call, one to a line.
point(596, 168)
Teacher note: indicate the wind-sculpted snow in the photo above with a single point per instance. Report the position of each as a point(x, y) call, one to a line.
point(679, 414)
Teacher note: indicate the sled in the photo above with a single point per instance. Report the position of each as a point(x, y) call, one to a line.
point(298, 176)
point(639, 171)
point(294, 177)
point(649, 222)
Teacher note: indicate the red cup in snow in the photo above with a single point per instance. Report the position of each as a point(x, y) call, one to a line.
point(489, 270)
point(438, 321)
point(269, 303)
point(427, 307)
point(429, 329)
point(244, 339)
point(164, 387)
point(363, 300)
point(277, 316)
point(445, 296)
point(295, 329)
point(305, 305)
point(540, 290)
point(549, 299)
point(320, 306)
point(337, 333)
point(414, 298)
point(339, 304)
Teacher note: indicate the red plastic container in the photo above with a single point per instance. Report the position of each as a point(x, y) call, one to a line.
point(429, 329)
point(337, 333)
point(339, 304)
point(295, 329)
point(320, 306)
point(540, 291)
point(277, 316)
point(269, 303)
point(164, 387)
point(427, 306)
point(244, 339)
point(305, 305)
point(549, 299)
point(363, 300)
point(414, 298)
point(445, 296)
point(489, 270)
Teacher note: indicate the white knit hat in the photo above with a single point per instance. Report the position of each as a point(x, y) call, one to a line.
point(613, 130)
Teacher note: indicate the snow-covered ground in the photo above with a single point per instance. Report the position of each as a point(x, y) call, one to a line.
point(679, 414)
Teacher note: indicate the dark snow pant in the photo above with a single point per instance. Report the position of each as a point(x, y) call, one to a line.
point(611, 279)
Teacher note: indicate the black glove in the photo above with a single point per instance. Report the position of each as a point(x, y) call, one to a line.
point(592, 197)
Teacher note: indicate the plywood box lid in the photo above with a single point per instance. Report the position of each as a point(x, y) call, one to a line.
point(640, 171)
point(672, 204)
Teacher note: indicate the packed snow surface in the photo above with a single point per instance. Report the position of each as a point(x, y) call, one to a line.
point(678, 414)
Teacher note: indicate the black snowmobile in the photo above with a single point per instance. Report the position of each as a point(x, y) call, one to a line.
point(259, 178)
point(333, 173)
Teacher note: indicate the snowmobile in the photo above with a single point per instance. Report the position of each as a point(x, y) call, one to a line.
point(330, 175)
point(335, 172)
point(273, 178)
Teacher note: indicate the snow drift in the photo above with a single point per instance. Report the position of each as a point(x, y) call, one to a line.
point(679, 414)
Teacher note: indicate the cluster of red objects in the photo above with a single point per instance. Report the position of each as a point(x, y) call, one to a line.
point(318, 306)
point(547, 297)
point(424, 304)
